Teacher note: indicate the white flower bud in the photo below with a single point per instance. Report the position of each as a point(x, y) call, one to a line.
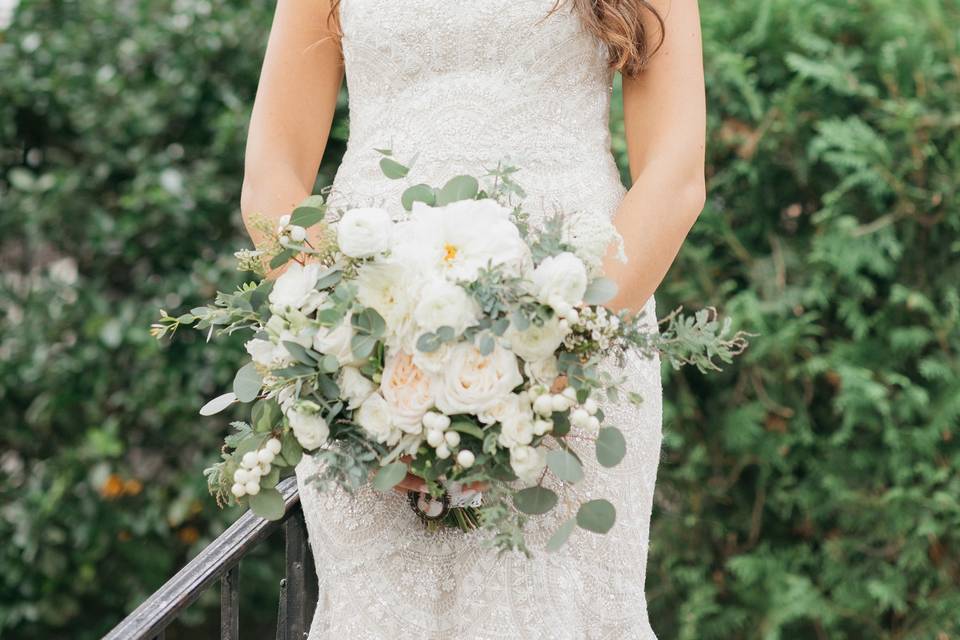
point(465, 458)
point(443, 452)
point(238, 490)
point(252, 487)
point(543, 404)
point(265, 456)
point(452, 438)
point(590, 406)
point(579, 418)
point(434, 437)
point(249, 459)
point(274, 446)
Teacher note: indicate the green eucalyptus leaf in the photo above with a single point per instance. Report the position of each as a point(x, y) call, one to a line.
point(428, 343)
point(247, 383)
point(267, 504)
point(282, 258)
point(535, 500)
point(596, 515)
point(561, 535)
point(599, 291)
point(290, 451)
point(458, 188)
point(301, 353)
point(218, 404)
point(418, 192)
point(389, 476)
point(469, 428)
point(565, 465)
point(362, 345)
point(487, 344)
point(611, 446)
point(305, 216)
point(393, 169)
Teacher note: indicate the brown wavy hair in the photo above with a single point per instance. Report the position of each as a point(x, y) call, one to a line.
point(617, 23)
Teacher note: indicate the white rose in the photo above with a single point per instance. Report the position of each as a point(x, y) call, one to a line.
point(364, 232)
point(443, 303)
point(471, 382)
point(536, 342)
point(527, 462)
point(295, 287)
point(355, 387)
point(407, 391)
point(336, 342)
point(309, 427)
point(562, 275)
point(542, 371)
point(268, 354)
point(374, 416)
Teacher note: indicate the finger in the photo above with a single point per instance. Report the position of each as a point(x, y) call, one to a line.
point(410, 483)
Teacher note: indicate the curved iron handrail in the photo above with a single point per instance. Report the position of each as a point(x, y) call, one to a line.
point(220, 561)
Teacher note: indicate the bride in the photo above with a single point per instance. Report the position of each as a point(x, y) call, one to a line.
point(463, 85)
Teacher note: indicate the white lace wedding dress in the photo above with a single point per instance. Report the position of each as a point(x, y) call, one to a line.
point(466, 83)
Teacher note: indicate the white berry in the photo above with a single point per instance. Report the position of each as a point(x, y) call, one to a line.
point(434, 437)
point(265, 456)
point(465, 458)
point(240, 476)
point(543, 404)
point(559, 402)
point(443, 421)
point(540, 427)
point(297, 234)
point(579, 417)
point(590, 406)
point(570, 394)
point(249, 459)
point(253, 488)
point(594, 423)
point(452, 438)
point(238, 490)
point(273, 446)
point(443, 452)
point(265, 469)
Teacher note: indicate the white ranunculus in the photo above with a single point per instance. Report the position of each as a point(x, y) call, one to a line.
point(563, 275)
point(536, 342)
point(375, 418)
point(268, 354)
point(309, 427)
point(443, 303)
point(364, 232)
point(461, 238)
point(355, 387)
point(407, 391)
point(295, 286)
point(527, 462)
point(336, 342)
point(472, 382)
point(544, 371)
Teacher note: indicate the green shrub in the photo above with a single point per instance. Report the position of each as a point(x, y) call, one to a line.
point(810, 491)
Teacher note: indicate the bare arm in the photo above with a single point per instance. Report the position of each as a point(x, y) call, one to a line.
point(665, 122)
point(293, 110)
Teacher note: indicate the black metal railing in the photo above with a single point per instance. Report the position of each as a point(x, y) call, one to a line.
point(221, 561)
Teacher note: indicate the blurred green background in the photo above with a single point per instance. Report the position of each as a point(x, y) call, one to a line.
point(809, 491)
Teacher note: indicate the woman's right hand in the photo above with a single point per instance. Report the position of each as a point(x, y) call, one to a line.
point(413, 482)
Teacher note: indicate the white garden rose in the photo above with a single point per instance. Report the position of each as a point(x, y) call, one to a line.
point(355, 387)
point(527, 462)
point(432, 362)
point(407, 391)
point(295, 287)
point(336, 342)
point(364, 232)
point(374, 416)
point(564, 276)
point(444, 304)
point(472, 382)
point(536, 342)
point(544, 371)
point(309, 427)
point(460, 239)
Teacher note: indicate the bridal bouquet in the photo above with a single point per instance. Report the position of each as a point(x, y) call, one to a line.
point(458, 341)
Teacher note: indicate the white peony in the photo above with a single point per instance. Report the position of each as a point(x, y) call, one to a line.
point(564, 276)
point(527, 462)
point(472, 382)
point(295, 287)
point(375, 417)
point(536, 342)
point(336, 342)
point(460, 239)
point(443, 303)
point(407, 391)
point(355, 387)
point(364, 232)
point(309, 427)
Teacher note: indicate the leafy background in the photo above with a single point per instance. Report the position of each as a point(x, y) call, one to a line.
point(809, 491)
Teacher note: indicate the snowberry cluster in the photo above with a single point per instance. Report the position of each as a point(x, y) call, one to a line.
point(290, 233)
point(546, 403)
point(253, 466)
point(443, 439)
